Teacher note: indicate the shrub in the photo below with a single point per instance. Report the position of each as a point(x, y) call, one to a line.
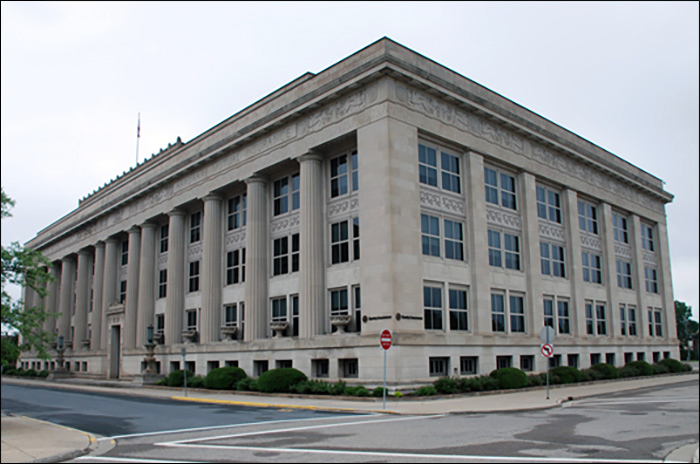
point(379, 392)
point(643, 368)
point(565, 374)
point(673, 365)
point(606, 371)
point(43, 374)
point(426, 390)
point(660, 369)
point(535, 380)
point(280, 380)
point(224, 378)
point(9, 370)
point(445, 385)
point(314, 387)
point(196, 381)
point(177, 378)
point(338, 388)
point(589, 375)
point(29, 373)
point(629, 371)
point(509, 378)
point(398, 394)
point(359, 390)
point(246, 384)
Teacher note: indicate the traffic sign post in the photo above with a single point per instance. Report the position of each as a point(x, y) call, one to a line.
point(385, 341)
point(184, 371)
point(547, 349)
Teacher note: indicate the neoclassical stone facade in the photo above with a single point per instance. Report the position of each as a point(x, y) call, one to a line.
point(386, 192)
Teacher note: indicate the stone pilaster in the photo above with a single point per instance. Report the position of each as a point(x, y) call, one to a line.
point(638, 282)
point(666, 286)
point(132, 287)
point(82, 298)
point(97, 305)
point(531, 256)
point(147, 273)
point(312, 267)
point(256, 266)
point(212, 269)
point(109, 286)
point(65, 306)
point(175, 299)
point(610, 271)
point(574, 265)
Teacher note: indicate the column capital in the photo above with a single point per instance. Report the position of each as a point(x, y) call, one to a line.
point(311, 155)
point(84, 252)
point(176, 212)
point(148, 225)
point(99, 243)
point(68, 259)
point(134, 230)
point(211, 196)
point(112, 239)
point(256, 179)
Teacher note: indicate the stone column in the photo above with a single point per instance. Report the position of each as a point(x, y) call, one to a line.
point(574, 266)
point(531, 258)
point(212, 269)
point(109, 286)
point(175, 299)
point(477, 246)
point(132, 287)
point(82, 299)
point(610, 271)
point(312, 265)
point(666, 287)
point(256, 254)
point(65, 306)
point(51, 299)
point(147, 276)
point(638, 282)
point(97, 288)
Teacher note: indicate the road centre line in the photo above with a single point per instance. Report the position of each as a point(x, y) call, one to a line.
point(615, 402)
point(115, 459)
point(295, 429)
point(229, 426)
point(413, 456)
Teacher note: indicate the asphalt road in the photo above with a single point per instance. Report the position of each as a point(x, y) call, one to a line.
point(641, 425)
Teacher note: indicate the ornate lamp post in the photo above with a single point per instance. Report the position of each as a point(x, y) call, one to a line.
point(60, 349)
point(150, 358)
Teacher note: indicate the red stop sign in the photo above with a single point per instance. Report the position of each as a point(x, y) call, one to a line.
point(385, 339)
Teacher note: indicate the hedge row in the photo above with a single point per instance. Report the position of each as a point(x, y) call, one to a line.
point(511, 378)
point(9, 370)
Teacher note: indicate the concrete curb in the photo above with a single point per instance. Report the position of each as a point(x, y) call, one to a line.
point(68, 455)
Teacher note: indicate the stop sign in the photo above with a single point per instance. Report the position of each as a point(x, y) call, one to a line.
point(385, 339)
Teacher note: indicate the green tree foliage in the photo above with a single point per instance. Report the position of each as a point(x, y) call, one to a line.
point(686, 327)
point(27, 268)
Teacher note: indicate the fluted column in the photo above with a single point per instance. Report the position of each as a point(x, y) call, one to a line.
point(147, 275)
point(82, 297)
point(51, 299)
point(109, 286)
point(66, 297)
point(132, 287)
point(256, 268)
point(211, 270)
point(175, 299)
point(97, 305)
point(312, 286)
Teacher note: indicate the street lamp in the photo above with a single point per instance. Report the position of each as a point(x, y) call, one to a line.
point(150, 359)
point(60, 349)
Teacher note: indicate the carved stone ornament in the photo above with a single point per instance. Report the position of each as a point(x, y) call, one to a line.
point(650, 258)
point(278, 327)
point(552, 232)
point(504, 219)
point(591, 241)
point(190, 336)
point(341, 321)
point(624, 251)
point(228, 332)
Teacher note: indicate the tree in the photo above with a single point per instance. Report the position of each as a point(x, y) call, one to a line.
point(685, 326)
point(28, 268)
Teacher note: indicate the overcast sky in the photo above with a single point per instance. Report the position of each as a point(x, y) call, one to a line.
point(75, 76)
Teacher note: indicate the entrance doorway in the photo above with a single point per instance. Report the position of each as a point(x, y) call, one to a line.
point(115, 352)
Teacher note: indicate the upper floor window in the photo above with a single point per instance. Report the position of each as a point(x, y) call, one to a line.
point(432, 308)
point(592, 267)
point(236, 216)
point(448, 164)
point(587, 217)
point(548, 204)
point(235, 266)
point(194, 277)
point(340, 241)
point(125, 252)
point(195, 227)
point(459, 319)
point(624, 274)
point(559, 319)
point(655, 322)
point(344, 174)
point(620, 228)
point(285, 195)
point(500, 188)
point(595, 318)
point(501, 243)
point(285, 258)
point(164, 232)
point(162, 283)
point(647, 237)
point(552, 259)
point(628, 320)
point(650, 280)
point(500, 320)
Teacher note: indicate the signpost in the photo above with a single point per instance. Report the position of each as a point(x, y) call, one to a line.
point(547, 349)
point(184, 370)
point(385, 341)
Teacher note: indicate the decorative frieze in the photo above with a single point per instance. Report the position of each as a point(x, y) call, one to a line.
point(623, 251)
point(442, 202)
point(552, 232)
point(503, 219)
point(339, 110)
point(343, 207)
point(591, 241)
point(650, 258)
point(284, 225)
point(235, 239)
point(195, 251)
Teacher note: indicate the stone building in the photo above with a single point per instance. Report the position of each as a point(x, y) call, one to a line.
point(385, 192)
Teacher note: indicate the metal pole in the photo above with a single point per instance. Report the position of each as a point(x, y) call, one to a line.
point(384, 391)
point(184, 369)
point(547, 367)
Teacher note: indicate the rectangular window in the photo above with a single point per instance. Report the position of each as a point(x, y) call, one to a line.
point(427, 165)
point(497, 182)
point(280, 201)
point(194, 277)
point(296, 187)
point(355, 241)
point(236, 216)
point(357, 317)
point(572, 360)
point(339, 302)
point(658, 324)
point(319, 367)
point(620, 228)
point(125, 252)
point(632, 321)
point(590, 318)
point(439, 367)
point(510, 246)
point(527, 363)
point(595, 359)
point(159, 336)
point(623, 319)
point(624, 274)
point(162, 283)
point(340, 243)
point(498, 312)
point(355, 168)
point(195, 227)
point(235, 266)
point(563, 316)
point(549, 312)
point(650, 280)
point(280, 258)
point(592, 268)
point(495, 248)
point(552, 260)
point(517, 314)
point(339, 176)
point(191, 319)
point(348, 368)
point(610, 358)
point(430, 235)
point(450, 172)
point(432, 308)
point(458, 310)
point(454, 240)
point(468, 365)
point(600, 319)
point(587, 217)
point(650, 319)
point(548, 205)
point(122, 291)
point(231, 315)
point(504, 361)
point(295, 315)
point(260, 367)
point(560, 320)
point(279, 309)
point(647, 237)
point(164, 232)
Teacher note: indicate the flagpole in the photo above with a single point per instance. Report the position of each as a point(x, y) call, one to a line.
point(138, 136)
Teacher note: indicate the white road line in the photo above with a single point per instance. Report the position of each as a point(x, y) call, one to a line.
point(230, 426)
point(295, 429)
point(109, 459)
point(414, 456)
point(615, 402)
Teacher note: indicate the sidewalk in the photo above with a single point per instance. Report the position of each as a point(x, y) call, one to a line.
point(29, 440)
